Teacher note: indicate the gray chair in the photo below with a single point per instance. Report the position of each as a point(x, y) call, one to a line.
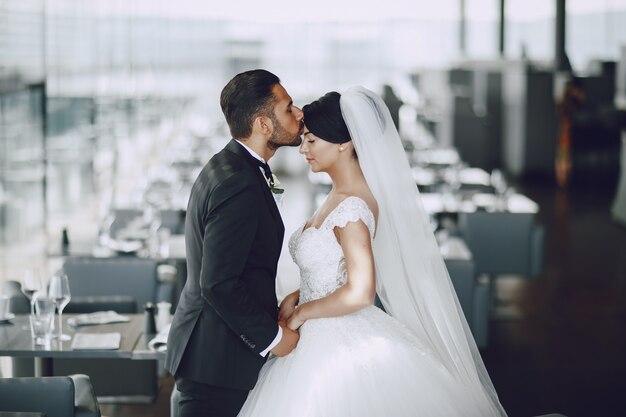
point(122, 304)
point(463, 279)
point(54, 396)
point(18, 303)
point(121, 219)
point(139, 384)
point(503, 243)
point(103, 281)
point(174, 220)
point(473, 295)
point(120, 275)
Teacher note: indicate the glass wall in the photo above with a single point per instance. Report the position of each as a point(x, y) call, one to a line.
point(530, 29)
point(595, 31)
point(120, 73)
point(22, 168)
point(482, 17)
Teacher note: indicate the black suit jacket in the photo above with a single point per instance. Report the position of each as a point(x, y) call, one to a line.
point(227, 313)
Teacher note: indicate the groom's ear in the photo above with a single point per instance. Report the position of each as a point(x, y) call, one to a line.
point(263, 125)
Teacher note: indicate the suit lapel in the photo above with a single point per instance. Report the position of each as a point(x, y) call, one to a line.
point(237, 149)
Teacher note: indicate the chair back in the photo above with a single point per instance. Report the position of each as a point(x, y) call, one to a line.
point(174, 220)
point(18, 303)
point(121, 275)
point(502, 242)
point(53, 396)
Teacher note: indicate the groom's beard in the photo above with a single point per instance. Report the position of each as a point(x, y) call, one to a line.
point(281, 137)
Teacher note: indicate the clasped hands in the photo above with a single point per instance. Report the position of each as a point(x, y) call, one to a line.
point(288, 313)
point(289, 321)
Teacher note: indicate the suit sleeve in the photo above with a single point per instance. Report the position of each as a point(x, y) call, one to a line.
point(230, 228)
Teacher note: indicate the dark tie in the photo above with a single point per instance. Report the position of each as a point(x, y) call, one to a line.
point(267, 171)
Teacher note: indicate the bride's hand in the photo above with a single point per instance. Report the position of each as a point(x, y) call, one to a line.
point(295, 321)
point(288, 306)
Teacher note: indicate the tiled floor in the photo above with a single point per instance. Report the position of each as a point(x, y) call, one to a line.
point(565, 352)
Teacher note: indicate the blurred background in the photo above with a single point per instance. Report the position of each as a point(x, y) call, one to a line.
point(109, 109)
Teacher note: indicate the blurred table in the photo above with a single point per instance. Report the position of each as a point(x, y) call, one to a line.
point(454, 248)
point(15, 341)
point(435, 203)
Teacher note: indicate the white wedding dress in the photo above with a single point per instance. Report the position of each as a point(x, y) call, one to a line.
point(364, 364)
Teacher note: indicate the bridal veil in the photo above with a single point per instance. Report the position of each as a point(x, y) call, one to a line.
point(412, 280)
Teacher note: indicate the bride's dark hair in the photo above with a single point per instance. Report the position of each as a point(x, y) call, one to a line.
point(323, 118)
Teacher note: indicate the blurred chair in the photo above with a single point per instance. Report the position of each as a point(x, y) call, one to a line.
point(18, 303)
point(473, 295)
point(104, 280)
point(122, 304)
point(121, 219)
point(503, 243)
point(174, 220)
point(54, 396)
point(121, 275)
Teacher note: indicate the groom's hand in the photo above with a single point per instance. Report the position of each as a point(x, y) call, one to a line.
point(288, 342)
point(288, 306)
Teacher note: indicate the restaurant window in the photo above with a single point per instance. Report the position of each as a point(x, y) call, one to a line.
point(482, 21)
point(530, 29)
point(595, 31)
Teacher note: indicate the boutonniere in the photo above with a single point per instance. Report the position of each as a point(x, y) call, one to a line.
point(274, 185)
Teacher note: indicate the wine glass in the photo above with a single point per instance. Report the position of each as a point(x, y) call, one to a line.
point(498, 182)
point(31, 284)
point(59, 292)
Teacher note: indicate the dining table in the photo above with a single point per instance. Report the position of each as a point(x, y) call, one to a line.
point(16, 341)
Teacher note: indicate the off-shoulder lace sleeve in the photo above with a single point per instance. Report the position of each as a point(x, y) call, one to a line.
point(352, 209)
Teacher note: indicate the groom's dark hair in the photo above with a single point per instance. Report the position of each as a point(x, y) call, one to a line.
point(245, 97)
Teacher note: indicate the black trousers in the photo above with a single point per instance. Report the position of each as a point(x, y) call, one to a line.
point(197, 399)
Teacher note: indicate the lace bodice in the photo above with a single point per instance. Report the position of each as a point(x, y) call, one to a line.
point(318, 254)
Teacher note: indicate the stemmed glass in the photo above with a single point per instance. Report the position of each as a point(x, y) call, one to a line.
point(31, 284)
point(59, 292)
point(32, 287)
point(498, 182)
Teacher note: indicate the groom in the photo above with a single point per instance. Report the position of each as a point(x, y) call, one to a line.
point(226, 320)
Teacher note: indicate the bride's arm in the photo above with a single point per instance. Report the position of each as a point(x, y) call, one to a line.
point(358, 292)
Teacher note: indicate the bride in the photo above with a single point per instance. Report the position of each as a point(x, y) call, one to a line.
point(370, 235)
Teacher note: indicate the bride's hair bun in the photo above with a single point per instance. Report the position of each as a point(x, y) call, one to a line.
point(323, 118)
